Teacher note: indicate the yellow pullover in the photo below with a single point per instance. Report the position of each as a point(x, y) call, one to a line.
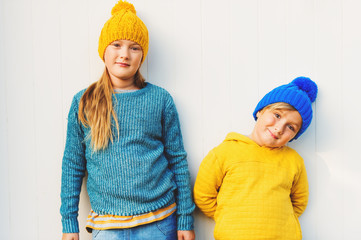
point(252, 192)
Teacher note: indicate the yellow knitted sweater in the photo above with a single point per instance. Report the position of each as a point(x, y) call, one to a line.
point(252, 192)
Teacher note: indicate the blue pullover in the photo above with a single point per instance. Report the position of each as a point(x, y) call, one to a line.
point(143, 170)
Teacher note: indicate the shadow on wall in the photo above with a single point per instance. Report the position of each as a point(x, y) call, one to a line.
point(204, 226)
point(326, 201)
point(84, 209)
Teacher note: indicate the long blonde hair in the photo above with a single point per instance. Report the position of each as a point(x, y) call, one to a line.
point(96, 110)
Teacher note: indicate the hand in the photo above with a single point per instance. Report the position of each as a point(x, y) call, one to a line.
point(186, 235)
point(70, 236)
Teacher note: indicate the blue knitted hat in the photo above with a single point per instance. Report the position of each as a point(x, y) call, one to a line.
point(300, 93)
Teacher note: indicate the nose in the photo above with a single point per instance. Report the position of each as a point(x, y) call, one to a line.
point(279, 128)
point(124, 53)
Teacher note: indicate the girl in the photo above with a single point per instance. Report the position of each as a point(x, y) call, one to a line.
point(125, 133)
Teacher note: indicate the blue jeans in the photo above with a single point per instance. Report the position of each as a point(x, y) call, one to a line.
point(165, 229)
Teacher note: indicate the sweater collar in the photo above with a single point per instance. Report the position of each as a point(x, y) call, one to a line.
point(147, 87)
point(233, 136)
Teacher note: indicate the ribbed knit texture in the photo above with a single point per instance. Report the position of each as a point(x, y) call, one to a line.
point(252, 192)
point(300, 93)
point(142, 171)
point(124, 24)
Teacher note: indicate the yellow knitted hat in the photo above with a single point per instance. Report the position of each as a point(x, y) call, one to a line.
point(123, 25)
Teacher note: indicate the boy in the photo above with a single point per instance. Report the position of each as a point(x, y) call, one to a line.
point(255, 187)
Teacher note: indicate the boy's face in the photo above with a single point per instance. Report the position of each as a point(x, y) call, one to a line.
point(275, 128)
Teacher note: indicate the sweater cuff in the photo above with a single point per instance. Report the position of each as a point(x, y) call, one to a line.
point(70, 225)
point(185, 222)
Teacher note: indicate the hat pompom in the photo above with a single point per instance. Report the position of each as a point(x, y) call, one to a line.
point(308, 86)
point(122, 5)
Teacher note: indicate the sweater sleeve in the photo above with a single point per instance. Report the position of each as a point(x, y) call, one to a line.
point(208, 182)
point(299, 191)
point(177, 158)
point(73, 171)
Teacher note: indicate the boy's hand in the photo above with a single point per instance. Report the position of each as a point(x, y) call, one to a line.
point(186, 235)
point(70, 236)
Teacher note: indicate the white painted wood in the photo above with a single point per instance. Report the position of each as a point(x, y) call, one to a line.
point(244, 59)
point(300, 61)
point(216, 83)
point(216, 59)
point(20, 100)
point(300, 38)
point(272, 45)
point(185, 81)
point(350, 164)
point(47, 110)
point(4, 163)
point(329, 134)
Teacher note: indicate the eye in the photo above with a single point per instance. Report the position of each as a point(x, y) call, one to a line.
point(115, 44)
point(277, 115)
point(135, 48)
point(291, 128)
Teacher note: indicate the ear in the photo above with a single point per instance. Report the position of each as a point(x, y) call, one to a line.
point(258, 114)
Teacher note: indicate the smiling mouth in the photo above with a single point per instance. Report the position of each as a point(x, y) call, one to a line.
point(274, 136)
point(123, 64)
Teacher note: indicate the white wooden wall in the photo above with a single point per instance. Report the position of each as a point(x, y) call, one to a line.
point(217, 58)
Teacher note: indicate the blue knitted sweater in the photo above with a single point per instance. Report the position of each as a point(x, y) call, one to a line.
point(142, 171)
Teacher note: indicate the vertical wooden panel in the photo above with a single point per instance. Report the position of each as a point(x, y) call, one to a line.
point(244, 59)
point(47, 113)
point(18, 39)
point(158, 16)
point(4, 159)
point(300, 37)
point(187, 75)
point(351, 100)
point(329, 120)
point(300, 61)
point(216, 72)
point(272, 45)
point(74, 32)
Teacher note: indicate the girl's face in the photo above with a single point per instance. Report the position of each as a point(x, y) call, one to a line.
point(275, 128)
point(122, 58)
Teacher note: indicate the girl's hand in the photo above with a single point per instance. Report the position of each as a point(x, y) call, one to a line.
point(186, 235)
point(70, 236)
